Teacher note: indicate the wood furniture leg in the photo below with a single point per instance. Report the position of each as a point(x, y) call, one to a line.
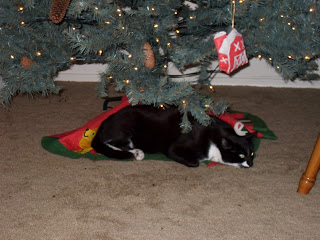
point(309, 176)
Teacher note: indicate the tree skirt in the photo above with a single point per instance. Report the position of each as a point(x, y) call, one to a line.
point(77, 143)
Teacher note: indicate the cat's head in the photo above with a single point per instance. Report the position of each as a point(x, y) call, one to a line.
point(238, 151)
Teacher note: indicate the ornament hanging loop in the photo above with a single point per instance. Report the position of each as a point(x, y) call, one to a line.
point(233, 11)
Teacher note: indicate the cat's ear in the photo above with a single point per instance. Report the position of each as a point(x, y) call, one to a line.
point(225, 143)
point(252, 136)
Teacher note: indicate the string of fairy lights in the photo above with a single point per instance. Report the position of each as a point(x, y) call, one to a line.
point(175, 12)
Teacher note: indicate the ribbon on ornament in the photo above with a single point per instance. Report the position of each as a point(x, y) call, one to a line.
point(231, 48)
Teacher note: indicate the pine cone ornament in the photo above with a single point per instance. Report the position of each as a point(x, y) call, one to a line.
point(58, 10)
point(26, 62)
point(149, 61)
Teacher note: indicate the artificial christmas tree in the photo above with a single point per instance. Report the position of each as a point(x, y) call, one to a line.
point(285, 32)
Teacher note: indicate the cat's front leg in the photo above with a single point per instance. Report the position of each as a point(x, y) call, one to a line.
point(137, 153)
point(184, 155)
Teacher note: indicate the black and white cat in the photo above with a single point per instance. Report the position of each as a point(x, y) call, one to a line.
point(140, 129)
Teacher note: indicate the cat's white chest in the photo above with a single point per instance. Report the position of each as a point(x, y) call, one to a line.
point(214, 153)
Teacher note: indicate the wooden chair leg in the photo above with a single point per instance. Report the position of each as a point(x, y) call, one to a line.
point(309, 176)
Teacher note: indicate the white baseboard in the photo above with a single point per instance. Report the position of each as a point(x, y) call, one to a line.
point(257, 74)
point(266, 82)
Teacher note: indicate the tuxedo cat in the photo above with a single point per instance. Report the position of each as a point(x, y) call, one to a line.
point(140, 129)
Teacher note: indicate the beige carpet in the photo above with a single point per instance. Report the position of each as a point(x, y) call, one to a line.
point(46, 196)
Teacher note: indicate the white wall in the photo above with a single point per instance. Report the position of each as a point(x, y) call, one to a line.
point(258, 73)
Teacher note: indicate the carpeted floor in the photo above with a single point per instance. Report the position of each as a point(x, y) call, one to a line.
point(47, 196)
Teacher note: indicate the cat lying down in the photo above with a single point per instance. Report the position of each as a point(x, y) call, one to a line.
point(140, 129)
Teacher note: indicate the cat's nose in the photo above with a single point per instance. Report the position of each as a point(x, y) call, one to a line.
point(250, 163)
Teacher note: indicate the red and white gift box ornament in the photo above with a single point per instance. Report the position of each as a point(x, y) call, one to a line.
point(231, 50)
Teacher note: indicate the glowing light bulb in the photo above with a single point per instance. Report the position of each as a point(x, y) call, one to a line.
point(20, 9)
point(175, 13)
point(307, 57)
point(261, 19)
point(156, 25)
point(136, 69)
point(207, 105)
point(107, 22)
point(184, 101)
point(127, 81)
point(72, 58)
point(165, 66)
point(177, 31)
point(259, 56)
point(22, 23)
point(100, 52)
point(11, 56)
point(211, 88)
point(311, 9)
point(129, 56)
point(191, 17)
point(290, 57)
point(38, 53)
point(157, 40)
point(169, 44)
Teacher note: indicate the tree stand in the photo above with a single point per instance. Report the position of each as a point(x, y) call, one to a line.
point(309, 176)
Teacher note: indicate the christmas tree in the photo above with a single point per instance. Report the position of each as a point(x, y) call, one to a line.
point(138, 40)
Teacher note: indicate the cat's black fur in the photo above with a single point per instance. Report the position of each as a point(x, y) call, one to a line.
point(136, 130)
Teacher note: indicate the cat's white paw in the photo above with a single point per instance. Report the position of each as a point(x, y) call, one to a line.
point(138, 154)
